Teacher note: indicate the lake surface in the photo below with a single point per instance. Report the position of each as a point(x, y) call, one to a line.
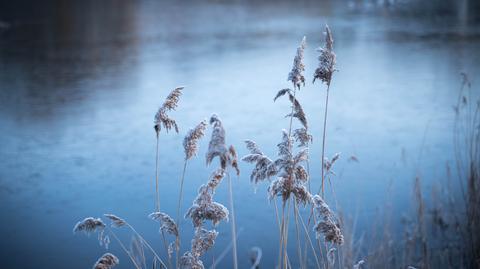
point(80, 84)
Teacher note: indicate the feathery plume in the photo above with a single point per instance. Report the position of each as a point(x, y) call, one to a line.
point(284, 187)
point(296, 75)
point(329, 164)
point(216, 178)
point(264, 166)
point(326, 65)
point(188, 261)
point(168, 224)
point(89, 225)
point(204, 208)
point(217, 147)
point(297, 108)
point(107, 261)
point(233, 159)
point(327, 224)
point(281, 93)
point(161, 117)
point(302, 136)
point(190, 142)
point(203, 241)
point(116, 221)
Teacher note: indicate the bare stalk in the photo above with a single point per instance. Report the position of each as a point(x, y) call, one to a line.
point(157, 195)
point(299, 249)
point(124, 249)
point(177, 247)
point(323, 140)
point(234, 236)
point(146, 243)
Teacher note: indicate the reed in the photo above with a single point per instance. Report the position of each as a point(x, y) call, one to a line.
point(288, 175)
point(292, 178)
point(107, 261)
point(324, 72)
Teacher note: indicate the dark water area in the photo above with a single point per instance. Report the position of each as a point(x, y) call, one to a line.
point(81, 81)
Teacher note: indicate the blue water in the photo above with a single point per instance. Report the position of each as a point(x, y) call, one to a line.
point(80, 84)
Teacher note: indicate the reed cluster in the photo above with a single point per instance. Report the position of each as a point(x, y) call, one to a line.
point(288, 175)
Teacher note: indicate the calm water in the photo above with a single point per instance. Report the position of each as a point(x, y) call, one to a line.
point(80, 83)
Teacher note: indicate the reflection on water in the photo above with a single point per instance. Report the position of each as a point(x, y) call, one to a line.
point(79, 85)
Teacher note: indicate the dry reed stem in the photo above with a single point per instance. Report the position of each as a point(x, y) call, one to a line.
point(232, 210)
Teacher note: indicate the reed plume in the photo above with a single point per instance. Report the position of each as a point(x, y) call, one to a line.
point(264, 166)
point(296, 75)
point(297, 110)
point(203, 241)
point(107, 261)
point(326, 60)
point(303, 137)
point(328, 164)
point(217, 147)
point(204, 208)
point(168, 225)
point(190, 142)
point(327, 224)
point(161, 117)
point(116, 221)
point(89, 225)
point(291, 174)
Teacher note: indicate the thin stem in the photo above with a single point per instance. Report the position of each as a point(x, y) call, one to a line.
point(157, 195)
point(146, 244)
point(166, 249)
point(323, 140)
point(280, 249)
point(225, 252)
point(285, 241)
point(310, 241)
point(234, 236)
point(178, 209)
point(299, 248)
point(124, 248)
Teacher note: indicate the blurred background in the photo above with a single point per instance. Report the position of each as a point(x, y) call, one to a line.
point(80, 82)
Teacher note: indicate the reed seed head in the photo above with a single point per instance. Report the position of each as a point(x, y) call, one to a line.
point(161, 117)
point(116, 221)
point(297, 108)
point(107, 261)
point(303, 137)
point(168, 224)
point(326, 222)
point(296, 75)
point(89, 225)
point(264, 166)
point(190, 142)
point(189, 261)
point(327, 59)
point(203, 241)
point(204, 208)
point(217, 146)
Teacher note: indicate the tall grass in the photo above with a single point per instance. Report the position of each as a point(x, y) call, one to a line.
point(289, 183)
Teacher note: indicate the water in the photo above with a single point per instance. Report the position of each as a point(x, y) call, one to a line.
point(80, 83)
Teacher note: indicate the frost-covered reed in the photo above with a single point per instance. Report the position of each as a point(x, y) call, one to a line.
point(107, 261)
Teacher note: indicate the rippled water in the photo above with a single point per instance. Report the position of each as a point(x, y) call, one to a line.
point(80, 83)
